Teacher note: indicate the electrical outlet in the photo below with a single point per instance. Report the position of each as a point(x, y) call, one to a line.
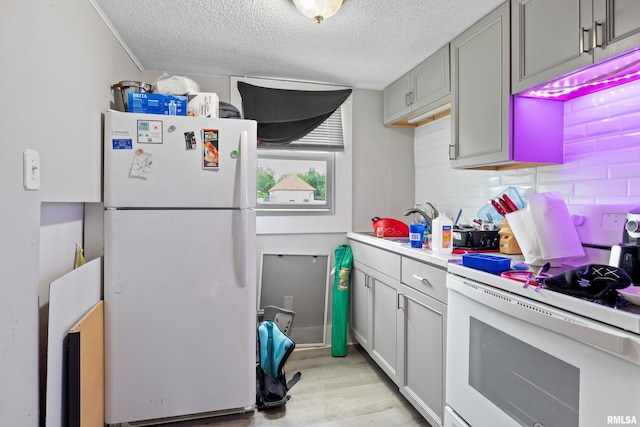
point(31, 169)
point(601, 225)
point(613, 221)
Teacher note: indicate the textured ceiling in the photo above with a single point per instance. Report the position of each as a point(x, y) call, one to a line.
point(367, 44)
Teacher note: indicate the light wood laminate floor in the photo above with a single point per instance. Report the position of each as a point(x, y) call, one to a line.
point(333, 391)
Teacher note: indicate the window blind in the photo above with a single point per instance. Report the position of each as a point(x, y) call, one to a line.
point(327, 136)
point(286, 118)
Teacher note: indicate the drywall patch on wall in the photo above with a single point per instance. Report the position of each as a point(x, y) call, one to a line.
point(298, 282)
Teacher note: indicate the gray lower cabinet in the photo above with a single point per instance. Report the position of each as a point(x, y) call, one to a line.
point(375, 280)
point(384, 344)
point(425, 86)
point(552, 38)
point(422, 321)
point(398, 314)
point(360, 305)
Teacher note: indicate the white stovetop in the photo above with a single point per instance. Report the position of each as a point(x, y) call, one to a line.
point(627, 318)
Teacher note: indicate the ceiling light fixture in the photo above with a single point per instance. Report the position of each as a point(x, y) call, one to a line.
point(318, 10)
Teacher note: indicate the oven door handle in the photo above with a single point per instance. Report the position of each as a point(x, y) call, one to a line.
point(539, 315)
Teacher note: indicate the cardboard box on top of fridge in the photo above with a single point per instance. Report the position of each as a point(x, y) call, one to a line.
point(157, 103)
point(203, 104)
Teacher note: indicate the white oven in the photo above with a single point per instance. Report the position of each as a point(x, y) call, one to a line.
point(514, 361)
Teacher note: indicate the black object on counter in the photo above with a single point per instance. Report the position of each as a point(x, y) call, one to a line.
point(591, 281)
point(475, 239)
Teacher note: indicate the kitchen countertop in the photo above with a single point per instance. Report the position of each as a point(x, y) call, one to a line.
point(405, 249)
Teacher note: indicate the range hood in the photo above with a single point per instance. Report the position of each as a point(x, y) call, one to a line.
point(603, 75)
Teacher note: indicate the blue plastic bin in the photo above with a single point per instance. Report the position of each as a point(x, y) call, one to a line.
point(489, 263)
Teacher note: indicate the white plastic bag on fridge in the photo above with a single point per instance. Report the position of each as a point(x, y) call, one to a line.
point(176, 85)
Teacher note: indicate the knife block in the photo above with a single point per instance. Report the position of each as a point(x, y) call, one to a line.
point(508, 243)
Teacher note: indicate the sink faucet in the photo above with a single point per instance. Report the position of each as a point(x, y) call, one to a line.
point(421, 212)
point(434, 211)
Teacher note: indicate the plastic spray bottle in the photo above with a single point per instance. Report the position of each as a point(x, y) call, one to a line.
point(442, 235)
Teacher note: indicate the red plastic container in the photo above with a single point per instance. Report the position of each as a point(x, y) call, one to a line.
point(392, 227)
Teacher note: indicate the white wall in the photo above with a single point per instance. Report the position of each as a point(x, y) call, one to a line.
point(60, 229)
point(58, 63)
point(383, 169)
point(601, 159)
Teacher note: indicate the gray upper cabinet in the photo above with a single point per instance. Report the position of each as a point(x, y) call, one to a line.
point(490, 129)
point(552, 38)
point(480, 95)
point(617, 27)
point(396, 99)
point(425, 87)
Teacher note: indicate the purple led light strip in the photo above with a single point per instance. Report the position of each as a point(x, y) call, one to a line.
point(607, 74)
point(584, 88)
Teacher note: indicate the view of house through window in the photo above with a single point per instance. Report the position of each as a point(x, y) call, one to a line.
point(299, 176)
point(294, 182)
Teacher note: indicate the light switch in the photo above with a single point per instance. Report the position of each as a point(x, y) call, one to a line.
point(31, 163)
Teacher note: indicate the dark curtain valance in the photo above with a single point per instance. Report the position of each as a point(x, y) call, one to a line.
point(285, 115)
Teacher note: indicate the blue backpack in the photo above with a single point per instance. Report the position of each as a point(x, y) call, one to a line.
point(274, 349)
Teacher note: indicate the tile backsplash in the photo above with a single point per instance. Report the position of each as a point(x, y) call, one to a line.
point(601, 159)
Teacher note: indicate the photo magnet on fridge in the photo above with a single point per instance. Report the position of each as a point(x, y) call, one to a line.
point(210, 158)
point(190, 140)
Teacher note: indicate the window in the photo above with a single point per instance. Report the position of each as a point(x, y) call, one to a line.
point(299, 178)
point(335, 216)
point(295, 181)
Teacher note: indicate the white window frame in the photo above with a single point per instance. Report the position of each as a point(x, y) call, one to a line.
point(301, 209)
point(338, 219)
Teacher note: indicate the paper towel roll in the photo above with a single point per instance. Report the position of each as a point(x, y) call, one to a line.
point(524, 230)
point(557, 235)
point(545, 231)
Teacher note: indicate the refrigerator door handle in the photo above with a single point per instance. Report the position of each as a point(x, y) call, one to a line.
point(242, 249)
point(244, 170)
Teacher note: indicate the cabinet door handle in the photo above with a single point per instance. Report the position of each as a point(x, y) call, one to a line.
point(597, 26)
point(422, 279)
point(409, 98)
point(400, 306)
point(452, 152)
point(584, 48)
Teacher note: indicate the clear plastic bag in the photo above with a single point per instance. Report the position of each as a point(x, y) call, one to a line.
point(176, 85)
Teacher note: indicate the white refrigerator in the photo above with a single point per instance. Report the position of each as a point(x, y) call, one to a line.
point(179, 266)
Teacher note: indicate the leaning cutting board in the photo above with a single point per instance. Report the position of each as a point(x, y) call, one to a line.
point(86, 369)
point(70, 298)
